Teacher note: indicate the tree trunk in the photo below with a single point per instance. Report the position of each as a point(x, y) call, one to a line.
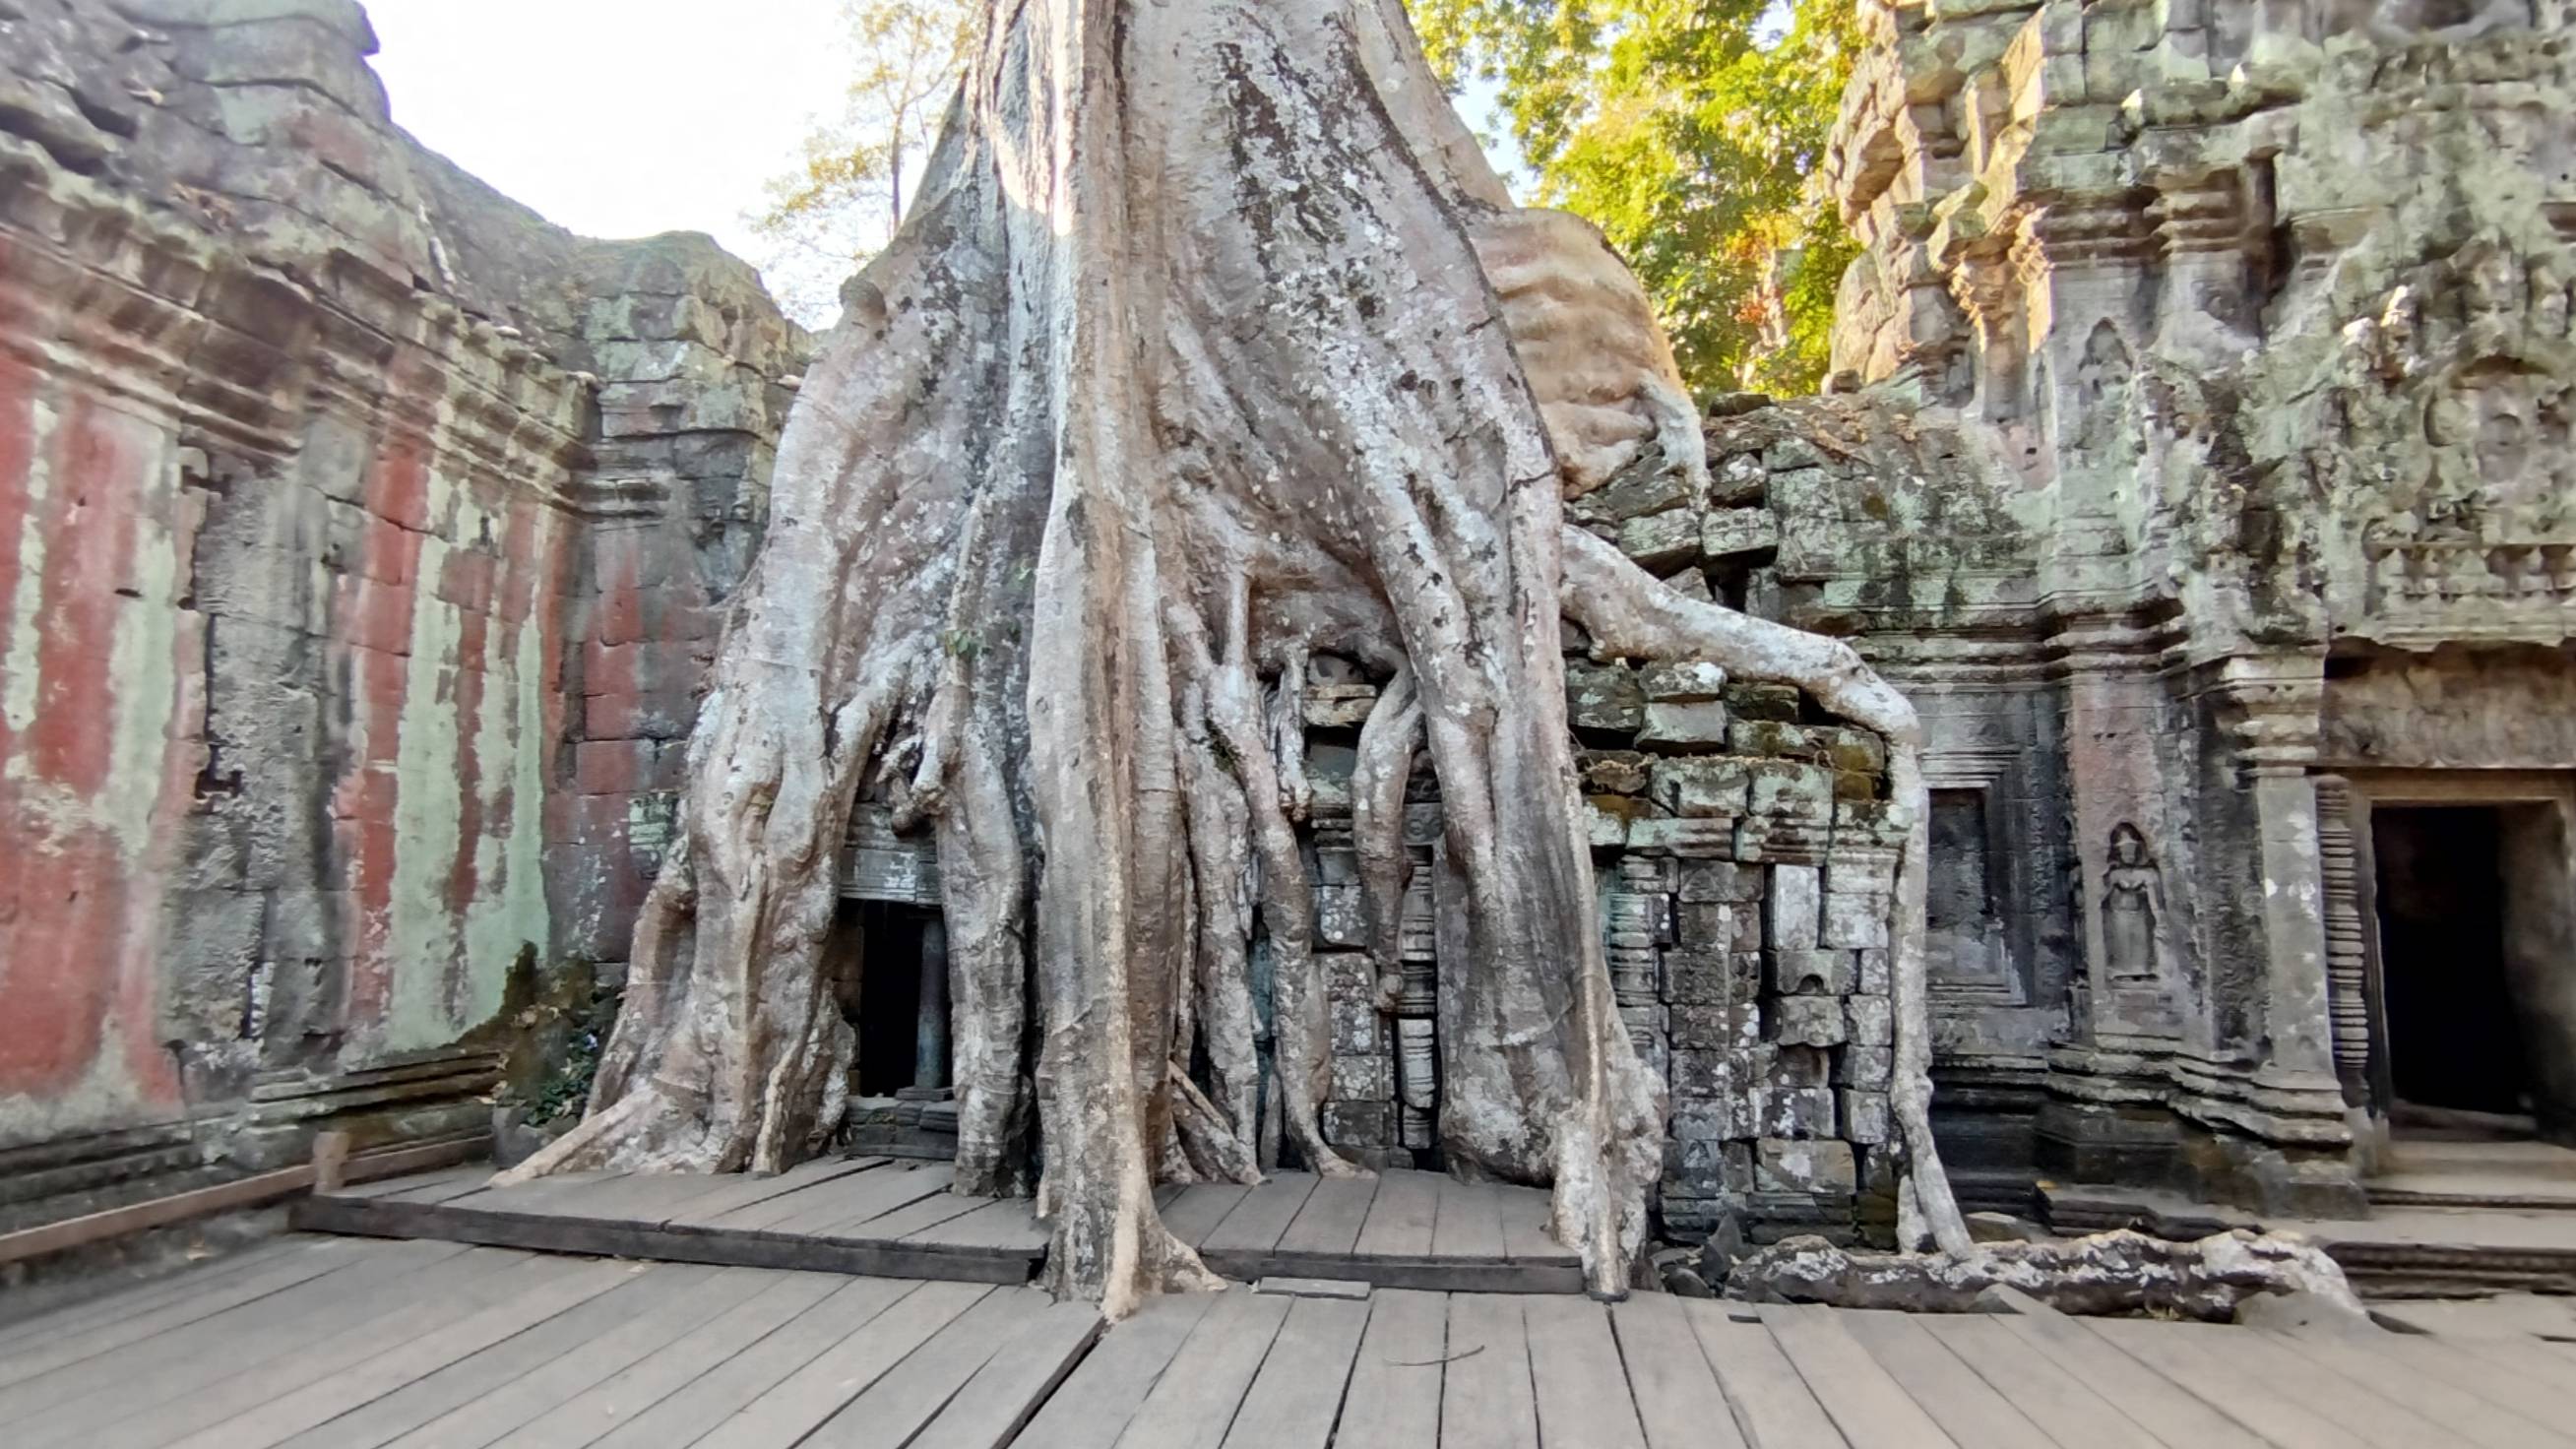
point(1184, 365)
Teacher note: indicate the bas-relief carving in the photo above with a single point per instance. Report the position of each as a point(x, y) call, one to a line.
point(2133, 911)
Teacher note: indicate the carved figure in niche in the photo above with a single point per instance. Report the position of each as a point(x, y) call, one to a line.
point(2101, 389)
point(2133, 910)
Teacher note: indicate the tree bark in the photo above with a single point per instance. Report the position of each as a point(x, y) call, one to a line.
point(1185, 365)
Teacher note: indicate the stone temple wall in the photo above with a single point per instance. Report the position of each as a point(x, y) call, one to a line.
point(360, 541)
point(1745, 858)
point(2199, 462)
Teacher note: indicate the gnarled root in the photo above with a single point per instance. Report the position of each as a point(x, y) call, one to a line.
point(1629, 612)
point(2116, 1272)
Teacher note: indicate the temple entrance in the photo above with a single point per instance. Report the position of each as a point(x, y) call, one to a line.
point(2454, 1041)
point(902, 1017)
point(2466, 889)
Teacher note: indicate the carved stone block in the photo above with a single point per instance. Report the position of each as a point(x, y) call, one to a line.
point(1853, 922)
point(1704, 926)
point(1338, 920)
point(1684, 837)
point(1339, 706)
point(1686, 682)
point(1684, 727)
point(1806, 1020)
point(1823, 1168)
point(1358, 1030)
point(1875, 968)
point(1717, 880)
point(1702, 788)
point(1716, 1028)
point(1359, 1124)
point(1796, 908)
point(1865, 1116)
point(1661, 541)
point(1873, 1020)
point(1613, 772)
point(1604, 700)
point(1870, 1068)
point(1813, 973)
point(1713, 1119)
point(1797, 1111)
point(1789, 790)
point(1363, 1079)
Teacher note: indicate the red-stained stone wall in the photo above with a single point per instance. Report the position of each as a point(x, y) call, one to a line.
point(361, 545)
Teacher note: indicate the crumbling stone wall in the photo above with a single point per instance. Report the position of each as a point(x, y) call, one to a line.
point(360, 541)
point(2197, 460)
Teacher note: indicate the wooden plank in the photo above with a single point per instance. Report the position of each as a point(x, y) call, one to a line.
point(1772, 1402)
point(1010, 1222)
point(1470, 1221)
point(1525, 1239)
point(587, 1345)
point(119, 1222)
point(901, 1224)
point(1195, 1400)
point(2464, 1416)
point(737, 1191)
point(1393, 1397)
point(291, 1414)
point(564, 1193)
point(1679, 1403)
point(47, 1346)
point(1485, 1398)
point(84, 1365)
point(837, 1209)
point(1428, 1274)
point(1966, 1407)
point(1264, 1213)
point(2061, 1404)
point(793, 1408)
point(1577, 1377)
point(1400, 1217)
point(446, 1186)
point(1096, 1402)
point(1330, 1219)
point(1005, 1393)
point(2357, 1409)
point(676, 1244)
point(245, 1369)
point(1862, 1399)
point(155, 1287)
point(2242, 1396)
point(641, 1387)
point(1297, 1395)
point(2546, 1399)
point(1200, 1207)
point(901, 1403)
point(2160, 1407)
point(685, 1417)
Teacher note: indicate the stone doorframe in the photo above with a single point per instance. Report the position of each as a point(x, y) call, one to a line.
point(2349, 877)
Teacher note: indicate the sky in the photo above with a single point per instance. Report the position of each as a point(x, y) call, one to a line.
point(619, 118)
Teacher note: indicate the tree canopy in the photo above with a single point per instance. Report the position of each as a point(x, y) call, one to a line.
point(844, 196)
point(1686, 129)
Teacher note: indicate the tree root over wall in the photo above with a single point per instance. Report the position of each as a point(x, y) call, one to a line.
point(1210, 343)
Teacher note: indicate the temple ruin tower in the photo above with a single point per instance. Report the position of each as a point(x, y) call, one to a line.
point(2198, 460)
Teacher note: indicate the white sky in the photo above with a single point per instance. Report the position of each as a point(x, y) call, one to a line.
point(618, 118)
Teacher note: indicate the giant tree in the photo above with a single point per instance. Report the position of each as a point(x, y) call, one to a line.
point(1210, 343)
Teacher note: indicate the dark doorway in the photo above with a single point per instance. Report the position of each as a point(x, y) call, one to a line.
point(889, 1006)
point(2454, 1042)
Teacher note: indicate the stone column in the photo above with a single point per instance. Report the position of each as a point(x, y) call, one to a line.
point(930, 1051)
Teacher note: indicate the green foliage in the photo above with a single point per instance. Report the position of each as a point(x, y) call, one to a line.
point(845, 196)
point(1685, 129)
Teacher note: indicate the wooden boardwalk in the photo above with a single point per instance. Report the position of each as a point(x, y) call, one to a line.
point(345, 1343)
point(877, 1215)
point(896, 1217)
